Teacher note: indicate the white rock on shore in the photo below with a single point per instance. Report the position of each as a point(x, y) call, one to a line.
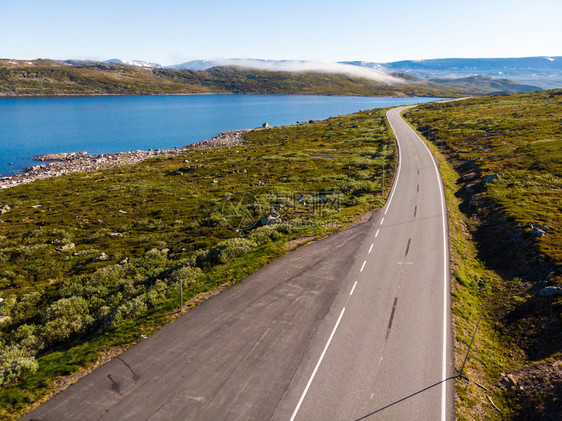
point(231, 138)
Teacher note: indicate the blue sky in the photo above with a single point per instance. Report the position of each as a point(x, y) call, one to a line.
point(173, 31)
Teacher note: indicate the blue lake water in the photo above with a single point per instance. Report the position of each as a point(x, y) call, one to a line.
point(33, 126)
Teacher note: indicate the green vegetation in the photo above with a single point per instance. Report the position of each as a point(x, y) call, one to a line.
point(49, 77)
point(91, 261)
point(503, 175)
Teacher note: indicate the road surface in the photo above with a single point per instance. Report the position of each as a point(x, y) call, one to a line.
point(354, 326)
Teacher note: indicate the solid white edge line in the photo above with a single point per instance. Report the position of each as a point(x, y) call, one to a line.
point(445, 288)
point(399, 165)
point(353, 289)
point(371, 248)
point(317, 366)
point(363, 266)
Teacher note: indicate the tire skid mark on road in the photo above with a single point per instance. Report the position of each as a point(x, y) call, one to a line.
point(408, 247)
point(391, 318)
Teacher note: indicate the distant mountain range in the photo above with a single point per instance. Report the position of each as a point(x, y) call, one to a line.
point(544, 72)
point(117, 77)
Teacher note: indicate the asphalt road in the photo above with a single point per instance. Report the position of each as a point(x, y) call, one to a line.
point(353, 326)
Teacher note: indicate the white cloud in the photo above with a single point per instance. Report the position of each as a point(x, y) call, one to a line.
point(310, 66)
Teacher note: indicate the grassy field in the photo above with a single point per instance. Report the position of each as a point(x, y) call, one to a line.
point(50, 77)
point(502, 164)
point(91, 261)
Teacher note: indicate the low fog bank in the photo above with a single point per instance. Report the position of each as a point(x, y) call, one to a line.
point(296, 66)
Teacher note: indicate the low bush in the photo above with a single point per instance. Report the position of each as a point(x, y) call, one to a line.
point(228, 250)
point(15, 363)
point(264, 234)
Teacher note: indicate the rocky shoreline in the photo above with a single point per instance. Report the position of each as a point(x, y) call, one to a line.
point(79, 161)
point(66, 156)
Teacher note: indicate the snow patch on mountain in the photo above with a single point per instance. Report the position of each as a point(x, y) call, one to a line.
point(138, 63)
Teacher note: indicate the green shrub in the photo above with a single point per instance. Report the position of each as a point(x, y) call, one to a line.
point(159, 286)
point(27, 337)
point(25, 307)
point(92, 238)
point(8, 304)
point(363, 175)
point(107, 275)
point(187, 275)
point(15, 363)
point(103, 311)
point(264, 234)
point(129, 309)
point(66, 307)
point(358, 187)
point(153, 262)
point(65, 318)
point(43, 266)
point(154, 297)
point(228, 250)
point(64, 328)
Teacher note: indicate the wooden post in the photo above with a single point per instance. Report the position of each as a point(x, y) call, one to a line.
point(181, 295)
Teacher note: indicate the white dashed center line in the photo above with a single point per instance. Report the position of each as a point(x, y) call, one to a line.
point(353, 289)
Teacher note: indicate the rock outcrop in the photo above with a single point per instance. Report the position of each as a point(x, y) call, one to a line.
point(231, 138)
point(66, 156)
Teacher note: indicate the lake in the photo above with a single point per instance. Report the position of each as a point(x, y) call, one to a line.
point(34, 126)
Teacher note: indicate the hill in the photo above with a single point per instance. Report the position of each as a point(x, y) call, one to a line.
point(487, 83)
point(50, 77)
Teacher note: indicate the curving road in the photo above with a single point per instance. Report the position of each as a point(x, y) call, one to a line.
point(354, 326)
point(390, 355)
